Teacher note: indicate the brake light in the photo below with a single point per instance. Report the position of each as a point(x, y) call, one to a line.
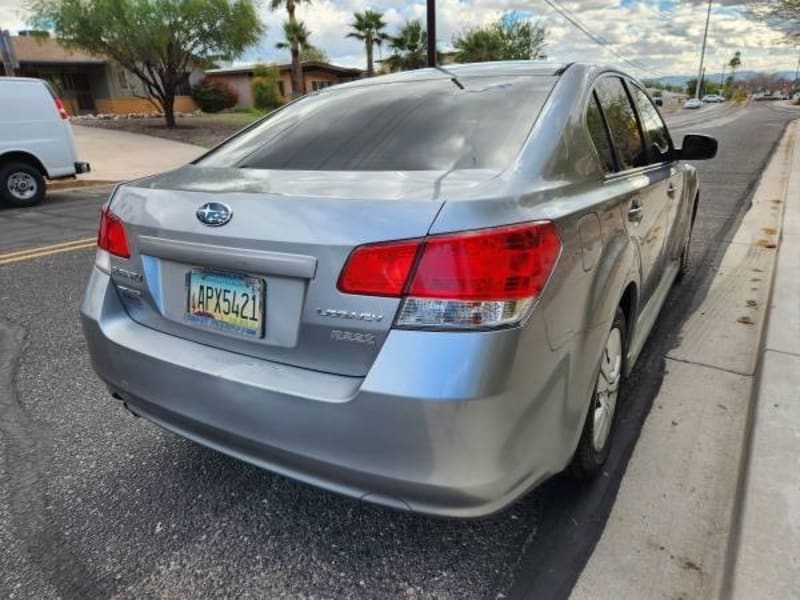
point(484, 278)
point(111, 235)
point(62, 112)
point(379, 269)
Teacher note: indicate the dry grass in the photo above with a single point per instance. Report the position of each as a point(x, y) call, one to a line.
point(204, 130)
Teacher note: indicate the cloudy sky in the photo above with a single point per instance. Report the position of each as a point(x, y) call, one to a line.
point(662, 36)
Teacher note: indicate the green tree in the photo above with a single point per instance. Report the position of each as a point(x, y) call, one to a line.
point(509, 38)
point(297, 59)
point(296, 37)
point(159, 41)
point(264, 85)
point(735, 63)
point(409, 47)
point(368, 28)
point(316, 54)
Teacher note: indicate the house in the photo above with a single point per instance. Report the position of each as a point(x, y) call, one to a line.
point(86, 83)
point(316, 75)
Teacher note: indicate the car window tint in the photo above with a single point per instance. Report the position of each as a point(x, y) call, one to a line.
point(622, 122)
point(653, 125)
point(432, 124)
point(599, 133)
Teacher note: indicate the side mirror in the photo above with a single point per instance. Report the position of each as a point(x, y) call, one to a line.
point(697, 147)
point(659, 102)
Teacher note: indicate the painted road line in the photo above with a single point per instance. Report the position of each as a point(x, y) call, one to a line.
point(31, 253)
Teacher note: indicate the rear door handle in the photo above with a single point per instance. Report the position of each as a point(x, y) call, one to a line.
point(671, 189)
point(635, 212)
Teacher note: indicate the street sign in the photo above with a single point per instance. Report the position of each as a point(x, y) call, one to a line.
point(7, 56)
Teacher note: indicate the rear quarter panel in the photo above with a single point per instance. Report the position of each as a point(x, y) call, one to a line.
point(558, 177)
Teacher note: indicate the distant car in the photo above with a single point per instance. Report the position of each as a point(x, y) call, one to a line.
point(35, 140)
point(435, 312)
point(693, 103)
point(713, 99)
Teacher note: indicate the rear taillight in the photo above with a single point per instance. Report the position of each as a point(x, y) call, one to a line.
point(484, 278)
point(379, 269)
point(62, 112)
point(111, 235)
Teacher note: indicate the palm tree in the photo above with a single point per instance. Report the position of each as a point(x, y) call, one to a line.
point(735, 63)
point(297, 66)
point(296, 35)
point(409, 47)
point(368, 28)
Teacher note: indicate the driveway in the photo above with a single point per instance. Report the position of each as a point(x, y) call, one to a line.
point(119, 156)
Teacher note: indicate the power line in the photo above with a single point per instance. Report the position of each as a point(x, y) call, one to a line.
point(567, 14)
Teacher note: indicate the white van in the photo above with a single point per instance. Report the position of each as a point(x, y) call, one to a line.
point(35, 140)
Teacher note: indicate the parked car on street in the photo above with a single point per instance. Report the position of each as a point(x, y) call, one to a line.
point(424, 290)
point(693, 103)
point(35, 140)
point(713, 99)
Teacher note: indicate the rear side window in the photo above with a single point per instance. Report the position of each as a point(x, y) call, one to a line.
point(597, 129)
point(414, 125)
point(653, 125)
point(622, 123)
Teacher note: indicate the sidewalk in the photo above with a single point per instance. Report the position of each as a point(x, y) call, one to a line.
point(765, 555)
point(673, 530)
point(120, 156)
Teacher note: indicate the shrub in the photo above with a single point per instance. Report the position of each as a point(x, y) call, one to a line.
point(265, 88)
point(213, 95)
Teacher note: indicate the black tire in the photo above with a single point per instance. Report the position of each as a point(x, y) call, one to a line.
point(683, 267)
point(21, 184)
point(589, 459)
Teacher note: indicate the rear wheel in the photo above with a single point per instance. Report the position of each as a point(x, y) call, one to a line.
point(683, 268)
point(598, 428)
point(21, 184)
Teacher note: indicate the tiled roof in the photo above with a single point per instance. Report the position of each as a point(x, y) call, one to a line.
point(36, 49)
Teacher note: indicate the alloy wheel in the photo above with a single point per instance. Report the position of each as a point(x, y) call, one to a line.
point(607, 389)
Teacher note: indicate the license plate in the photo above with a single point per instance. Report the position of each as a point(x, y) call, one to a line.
point(226, 302)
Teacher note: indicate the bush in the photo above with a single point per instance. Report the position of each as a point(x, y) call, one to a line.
point(213, 95)
point(265, 88)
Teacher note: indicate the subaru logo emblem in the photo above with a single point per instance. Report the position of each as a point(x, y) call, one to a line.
point(214, 214)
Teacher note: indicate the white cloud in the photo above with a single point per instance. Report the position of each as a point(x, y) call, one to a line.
point(12, 15)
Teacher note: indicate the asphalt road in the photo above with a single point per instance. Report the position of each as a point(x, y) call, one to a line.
point(95, 503)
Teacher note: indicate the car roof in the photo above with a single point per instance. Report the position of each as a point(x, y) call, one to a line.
point(532, 68)
point(5, 79)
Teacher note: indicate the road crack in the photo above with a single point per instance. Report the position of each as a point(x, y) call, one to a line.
point(28, 447)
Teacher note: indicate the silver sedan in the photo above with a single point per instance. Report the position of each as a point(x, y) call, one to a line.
point(423, 290)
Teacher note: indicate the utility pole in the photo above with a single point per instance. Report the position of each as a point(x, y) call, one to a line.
point(702, 53)
point(431, 33)
point(8, 60)
point(722, 79)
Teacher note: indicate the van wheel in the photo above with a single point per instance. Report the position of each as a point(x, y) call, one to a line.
point(598, 428)
point(21, 184)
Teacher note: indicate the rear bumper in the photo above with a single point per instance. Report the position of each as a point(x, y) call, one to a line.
point(82, 167)
point(458, 436)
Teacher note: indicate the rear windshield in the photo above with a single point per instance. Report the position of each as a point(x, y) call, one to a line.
point(404, 126)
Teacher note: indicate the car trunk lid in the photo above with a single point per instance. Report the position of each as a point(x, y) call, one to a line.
point(292, 231)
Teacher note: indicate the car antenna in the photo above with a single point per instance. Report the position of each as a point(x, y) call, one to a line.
point(450, 74)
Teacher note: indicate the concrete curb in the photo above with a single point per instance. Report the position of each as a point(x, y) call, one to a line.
point(76, 184)
point(764, 550)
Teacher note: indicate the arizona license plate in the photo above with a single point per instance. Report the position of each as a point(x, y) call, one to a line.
point(226, 302)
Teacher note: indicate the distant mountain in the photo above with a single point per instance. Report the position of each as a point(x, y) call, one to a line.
point(682, 79)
